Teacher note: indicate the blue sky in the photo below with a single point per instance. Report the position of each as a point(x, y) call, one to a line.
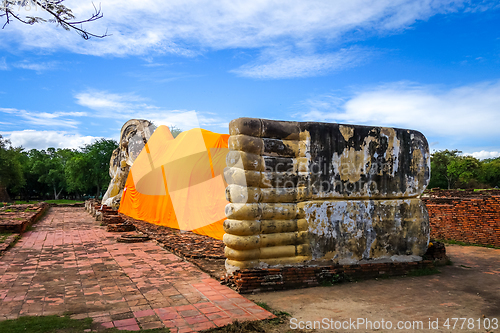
point(430, 65)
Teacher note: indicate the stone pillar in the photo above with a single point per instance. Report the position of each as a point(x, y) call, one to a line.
point(305, 193)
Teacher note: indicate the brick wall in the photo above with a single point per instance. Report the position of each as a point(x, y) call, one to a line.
point(258, 280)
point(471, 218)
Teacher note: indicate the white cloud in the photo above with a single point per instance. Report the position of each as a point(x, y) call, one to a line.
point(288, 65)
point(116, 109)
point(36, 66)
point(462, 112)
point(25, 64)
point(104, 101)
point(481, 155)
point(45, 118)
point(72, 114)
point(190, 27)
point(130, 106)
point(31, 139)
point(3, 64)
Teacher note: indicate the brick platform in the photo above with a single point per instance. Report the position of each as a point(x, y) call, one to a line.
point(71, 264)
point(257, 280)
point(8, 242)
point(17, 218)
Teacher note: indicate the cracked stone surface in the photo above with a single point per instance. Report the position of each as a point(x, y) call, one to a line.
point(70, 264)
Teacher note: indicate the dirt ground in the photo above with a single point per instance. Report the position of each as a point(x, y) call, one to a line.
point(470, 288)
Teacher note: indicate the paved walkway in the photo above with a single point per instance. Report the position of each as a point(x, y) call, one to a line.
point(69, 264)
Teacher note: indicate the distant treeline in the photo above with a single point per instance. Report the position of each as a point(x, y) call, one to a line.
point(55, 173)
point(451, 170)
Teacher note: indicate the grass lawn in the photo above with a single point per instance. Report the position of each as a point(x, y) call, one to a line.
point(454, 242)
point(25, 202)
point(59, 324)
point(64, 201)
point(45, 324)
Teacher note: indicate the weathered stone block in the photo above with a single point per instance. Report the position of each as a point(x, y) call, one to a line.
point(352, 230)
point(330, 192)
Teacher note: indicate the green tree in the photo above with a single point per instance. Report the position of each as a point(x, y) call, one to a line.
point(34, 172)
point(54, 172)
point(90, 168)
point(490, 172)
point(76, 173)
point(49, 166)
point(463, 169)
point(32, 188)
point(11, 173)
point(174, 130)
point(439, 168)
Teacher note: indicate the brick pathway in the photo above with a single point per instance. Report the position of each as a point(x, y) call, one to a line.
point(69, 264)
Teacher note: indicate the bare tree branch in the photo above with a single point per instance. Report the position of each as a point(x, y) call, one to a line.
point(61, 15)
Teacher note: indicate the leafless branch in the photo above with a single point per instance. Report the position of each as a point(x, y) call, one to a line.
point(61, 15)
